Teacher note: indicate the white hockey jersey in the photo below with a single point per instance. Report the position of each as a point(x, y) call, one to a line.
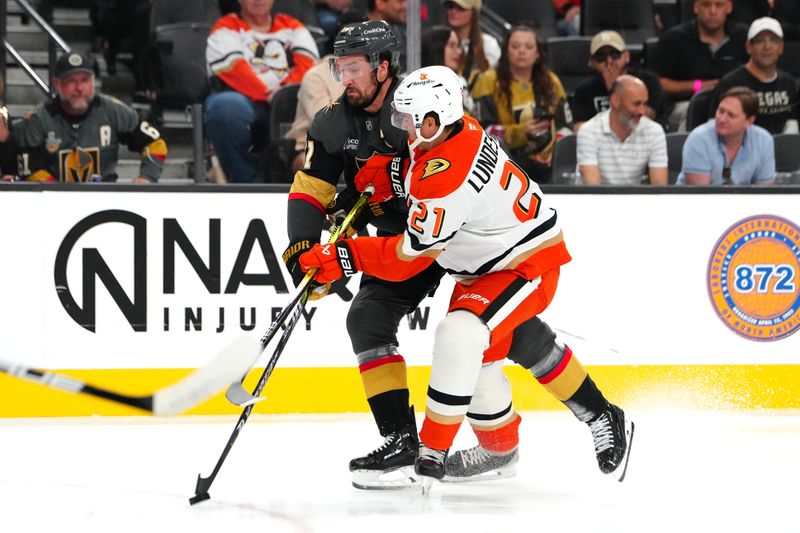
point(468, 199)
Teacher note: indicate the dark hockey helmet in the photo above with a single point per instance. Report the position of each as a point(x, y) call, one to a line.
point(371, 38)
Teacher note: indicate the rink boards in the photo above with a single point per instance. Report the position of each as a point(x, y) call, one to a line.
point(671, 299)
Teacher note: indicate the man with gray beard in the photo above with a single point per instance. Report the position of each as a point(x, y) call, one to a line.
point(621, 146)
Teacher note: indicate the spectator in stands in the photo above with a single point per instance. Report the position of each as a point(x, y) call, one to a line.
point(481, 50)
point(569, 17)
point(620, 145)
point(251, 55)
point(523, 103)
point(8, 151)
point(317, 90)
point(329, 12)
point(123, 25)
point(730, 149)
point(610, 60)
point(394, 12)
point(787, 12)
point(75, 137)
point(440, 47)
point(694, 55)
point(776, 90)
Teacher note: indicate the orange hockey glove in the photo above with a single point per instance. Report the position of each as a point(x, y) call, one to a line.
point(386, 173)
point(332, 261)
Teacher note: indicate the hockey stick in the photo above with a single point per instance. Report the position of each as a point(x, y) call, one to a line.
point(236, 394)
point(204, 483)
point(229, 365)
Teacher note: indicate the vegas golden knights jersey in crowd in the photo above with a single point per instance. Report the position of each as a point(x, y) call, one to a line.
point(54, 146)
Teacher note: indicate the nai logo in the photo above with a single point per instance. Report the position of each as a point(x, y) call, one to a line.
point(753, 278)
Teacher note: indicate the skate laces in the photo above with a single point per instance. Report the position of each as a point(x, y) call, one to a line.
point(430, 453)
point(602, 433)
point(388, 441)
point(474, 456)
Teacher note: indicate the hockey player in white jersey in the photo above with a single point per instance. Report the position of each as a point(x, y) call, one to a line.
point(477, 214)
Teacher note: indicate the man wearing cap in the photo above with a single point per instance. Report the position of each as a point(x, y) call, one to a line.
point(693, 56)
point(610, 60)
point(776, 91)
point(75, 136)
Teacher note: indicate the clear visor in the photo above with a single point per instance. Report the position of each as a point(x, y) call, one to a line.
point(403, 121)
point(349, 68)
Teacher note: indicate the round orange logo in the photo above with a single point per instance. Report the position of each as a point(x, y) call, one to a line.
point(753, 278)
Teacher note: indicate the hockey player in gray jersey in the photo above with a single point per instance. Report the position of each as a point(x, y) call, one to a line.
point(76, 136)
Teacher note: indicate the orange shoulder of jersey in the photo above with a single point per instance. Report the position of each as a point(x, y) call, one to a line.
point(442, 170)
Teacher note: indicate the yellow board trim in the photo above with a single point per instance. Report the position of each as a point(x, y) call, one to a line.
point(338, 390)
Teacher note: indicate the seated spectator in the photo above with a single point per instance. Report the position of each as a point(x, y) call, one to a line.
point(694, 55)
point(8, 151)
point(251, 56)
point(569, 17)
point(610, 60)
point(440, 47)
point(75, 137)
point(329, 12)
point(123, 26)
point(523, 103)
point(481, 50)
point(394, 12)
point(618, 146)
point(787, 12)
point(776, 90)
point(730, 149)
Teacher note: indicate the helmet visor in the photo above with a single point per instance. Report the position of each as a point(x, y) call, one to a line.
point(349, 67)
point(403, 121)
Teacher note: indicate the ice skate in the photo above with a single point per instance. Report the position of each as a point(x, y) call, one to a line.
point(429, 466)
point(391, 465)
point(478, 464)
point(613, 437)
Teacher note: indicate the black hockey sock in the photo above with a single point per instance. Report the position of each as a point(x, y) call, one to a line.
point(588, 402)
point(391, 410)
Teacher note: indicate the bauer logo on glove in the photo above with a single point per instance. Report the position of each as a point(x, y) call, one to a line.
point(386, 173)
point(332, 261)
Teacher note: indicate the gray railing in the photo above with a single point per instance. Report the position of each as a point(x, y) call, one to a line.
point(54, 42)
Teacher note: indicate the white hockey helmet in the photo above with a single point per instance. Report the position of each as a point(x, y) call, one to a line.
point(434, 89)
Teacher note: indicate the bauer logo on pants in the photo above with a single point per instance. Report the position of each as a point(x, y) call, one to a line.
point(753, 278)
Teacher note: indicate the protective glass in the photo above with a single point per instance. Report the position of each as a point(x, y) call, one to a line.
point(349, 68)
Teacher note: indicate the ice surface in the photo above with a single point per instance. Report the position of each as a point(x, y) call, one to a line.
point(689, 472)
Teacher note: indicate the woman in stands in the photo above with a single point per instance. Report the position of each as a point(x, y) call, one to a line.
point(523, 103)
point(440, 47)
point(481, 50)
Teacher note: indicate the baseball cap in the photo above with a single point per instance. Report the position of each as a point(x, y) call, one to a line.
point(73, 62)
point(466, 4)
point(607, 38)
point(764, 24)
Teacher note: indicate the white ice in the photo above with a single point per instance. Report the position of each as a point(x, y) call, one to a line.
point(688, 472)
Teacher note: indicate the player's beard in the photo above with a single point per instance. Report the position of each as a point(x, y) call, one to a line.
point(357, 97)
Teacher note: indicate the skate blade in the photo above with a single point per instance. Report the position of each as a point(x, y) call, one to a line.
point(425, 483)
point(402, 478)
point(622, 469)
point(493, 475)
